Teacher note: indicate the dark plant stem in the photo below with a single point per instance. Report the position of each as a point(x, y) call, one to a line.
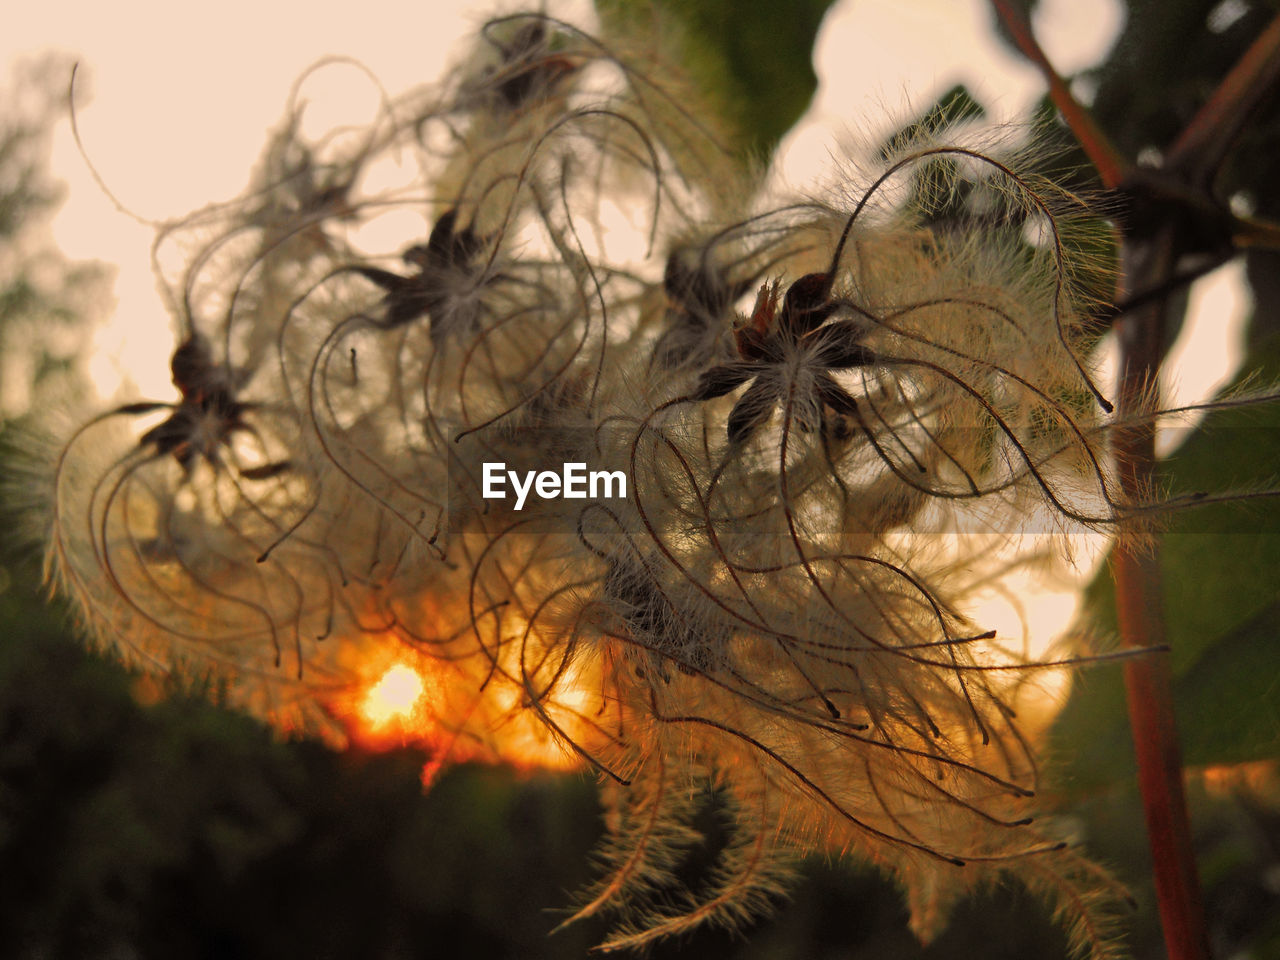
point(1135, 567)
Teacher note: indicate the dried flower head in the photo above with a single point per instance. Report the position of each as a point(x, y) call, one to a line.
point(809, 404)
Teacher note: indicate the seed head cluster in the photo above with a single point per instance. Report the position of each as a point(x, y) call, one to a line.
point(815, 401)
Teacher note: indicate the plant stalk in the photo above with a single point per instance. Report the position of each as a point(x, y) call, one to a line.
point(1135, 567)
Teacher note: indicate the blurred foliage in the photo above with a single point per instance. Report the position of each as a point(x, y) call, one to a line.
point(180, 830)
point(44, 301)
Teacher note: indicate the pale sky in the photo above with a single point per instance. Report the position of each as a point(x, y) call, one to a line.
point(183, 95)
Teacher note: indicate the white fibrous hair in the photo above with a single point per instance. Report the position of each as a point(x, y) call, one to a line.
point(827, 421)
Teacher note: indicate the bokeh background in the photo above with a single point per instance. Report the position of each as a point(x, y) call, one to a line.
point(136, 820)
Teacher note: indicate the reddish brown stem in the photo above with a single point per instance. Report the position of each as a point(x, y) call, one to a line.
point(1111, 165)
point(1252, 232)
point(1139, 602)
point(1200, 148)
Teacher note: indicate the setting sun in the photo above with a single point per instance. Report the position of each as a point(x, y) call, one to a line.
point(394, 697)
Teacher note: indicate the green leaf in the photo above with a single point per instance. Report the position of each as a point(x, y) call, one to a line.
point(755, 56)
point(1229, 702)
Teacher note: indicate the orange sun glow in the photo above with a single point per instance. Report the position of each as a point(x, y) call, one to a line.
point(394, 697)
point(428, 705)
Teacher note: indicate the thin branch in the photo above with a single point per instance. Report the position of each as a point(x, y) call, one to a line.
point(1110, 163)
point(1203, 144)
point(1135, 567)
point(1255, 233)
